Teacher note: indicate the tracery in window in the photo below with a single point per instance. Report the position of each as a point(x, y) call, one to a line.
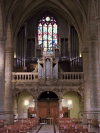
point(47, 33)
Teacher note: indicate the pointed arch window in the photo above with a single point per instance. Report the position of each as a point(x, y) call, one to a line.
point(47, 33)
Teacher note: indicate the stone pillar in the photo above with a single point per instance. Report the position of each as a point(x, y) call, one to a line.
point(98, 23)
point(15, 107)
point(8, 85)
point(86, 84)
point(36, 108)
point(2, 76)
point(60, 107)
point(93, 76)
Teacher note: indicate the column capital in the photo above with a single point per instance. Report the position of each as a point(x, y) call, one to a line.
point(9, 49)
point(93, 38)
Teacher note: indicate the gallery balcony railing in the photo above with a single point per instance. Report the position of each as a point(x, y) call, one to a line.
point(24, 76)
point(34, 76)
point(71, 76)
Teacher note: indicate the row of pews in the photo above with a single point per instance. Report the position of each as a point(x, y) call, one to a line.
point(22, 126)
point(71, 125)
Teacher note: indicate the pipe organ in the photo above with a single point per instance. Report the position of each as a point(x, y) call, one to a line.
point(28, 51)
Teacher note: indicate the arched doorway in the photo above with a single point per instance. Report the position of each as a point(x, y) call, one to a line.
point(48, 105)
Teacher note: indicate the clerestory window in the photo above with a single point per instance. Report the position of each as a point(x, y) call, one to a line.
point(47, 33)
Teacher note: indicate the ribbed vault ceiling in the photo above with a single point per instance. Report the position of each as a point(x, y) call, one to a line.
point(20, 11)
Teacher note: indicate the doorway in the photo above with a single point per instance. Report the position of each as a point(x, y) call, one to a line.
point(48, 105)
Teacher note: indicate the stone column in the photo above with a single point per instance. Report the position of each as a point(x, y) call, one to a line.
point(60, 107)
point(98, 23)
point(86, 84)
point(93, 76)
point(15, 102)
point(8, 85)
point(2, 76)
point(36, 108)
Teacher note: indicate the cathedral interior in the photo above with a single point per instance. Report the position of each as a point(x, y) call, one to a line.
point(49, 59)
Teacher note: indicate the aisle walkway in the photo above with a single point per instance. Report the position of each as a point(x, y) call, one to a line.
point(45, 128)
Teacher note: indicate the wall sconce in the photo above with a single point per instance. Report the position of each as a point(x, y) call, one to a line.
point(26, 102)
point(69, 102)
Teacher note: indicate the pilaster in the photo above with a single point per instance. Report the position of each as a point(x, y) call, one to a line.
point(36, 107)
point(60, 107)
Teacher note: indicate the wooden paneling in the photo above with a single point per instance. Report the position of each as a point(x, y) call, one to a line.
point(42, 109)
point(65, 110)
point(42, 112)
point(48, 109)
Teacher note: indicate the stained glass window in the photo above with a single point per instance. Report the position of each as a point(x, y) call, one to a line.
point(47, 33)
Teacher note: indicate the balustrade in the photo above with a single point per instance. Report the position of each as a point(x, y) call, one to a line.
point(19, 76)
point(71, 75)
point(24, 76)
